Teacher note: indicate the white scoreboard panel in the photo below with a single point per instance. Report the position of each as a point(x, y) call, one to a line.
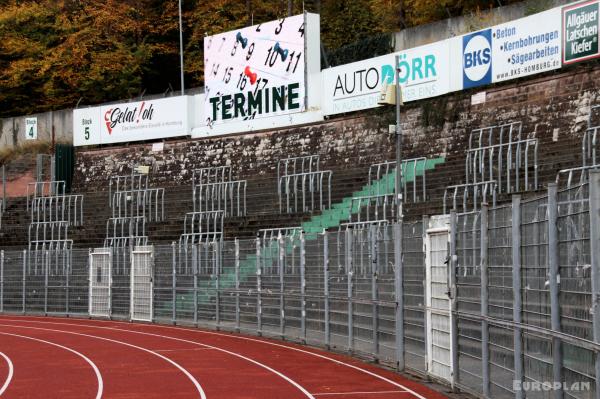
point(257, 71)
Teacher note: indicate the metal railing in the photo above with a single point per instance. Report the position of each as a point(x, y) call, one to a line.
point(148, 202)
point(46, 231)
point(379, 171)
point(126, 231)
point(571, 173)
point(217, 174)
point(227, 196)
point(295, 165)
point(132, 182)
point(474, 194)
point(305, 192)
point(202, 227)
point(270, 234)
point(496, 134)
point(372, 207)
point(67, 208)
point(45, 189)
point(513, 165)
point(589, 145)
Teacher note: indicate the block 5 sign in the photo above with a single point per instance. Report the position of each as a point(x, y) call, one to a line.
point(142, 120)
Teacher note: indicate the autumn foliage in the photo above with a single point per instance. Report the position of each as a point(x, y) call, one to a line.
point(57, 53)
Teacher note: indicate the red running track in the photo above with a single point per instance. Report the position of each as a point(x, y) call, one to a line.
point(43, 357)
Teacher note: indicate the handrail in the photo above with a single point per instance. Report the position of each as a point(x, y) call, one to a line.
point(216, 174)
point(378, 170)
point(488, 186)
point(505, 160)
point(304, 186)
point(229, 196)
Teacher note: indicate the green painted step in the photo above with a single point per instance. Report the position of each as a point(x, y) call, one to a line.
point(332, 217)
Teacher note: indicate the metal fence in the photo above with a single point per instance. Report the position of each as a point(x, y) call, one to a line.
point(508, 309)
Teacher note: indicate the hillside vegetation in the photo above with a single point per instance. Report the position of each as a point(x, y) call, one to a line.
point(55, 53)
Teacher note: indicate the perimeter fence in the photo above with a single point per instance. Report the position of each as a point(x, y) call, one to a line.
point(505, 306)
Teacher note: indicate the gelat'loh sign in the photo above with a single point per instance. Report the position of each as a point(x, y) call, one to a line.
point(134, 121)
point(580, 30)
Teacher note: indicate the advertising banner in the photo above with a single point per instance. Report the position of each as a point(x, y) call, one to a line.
point(526, 46)
point(424, 72)
point(512, 50)
point(256, 71)
point(135, 121)
point(580, 31)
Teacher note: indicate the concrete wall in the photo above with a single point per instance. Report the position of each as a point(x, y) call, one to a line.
point(12, 130)
point(440, 30)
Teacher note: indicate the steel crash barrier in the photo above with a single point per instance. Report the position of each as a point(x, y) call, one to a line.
point(488, 301)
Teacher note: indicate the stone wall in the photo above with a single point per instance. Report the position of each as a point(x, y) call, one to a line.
point(553, 108)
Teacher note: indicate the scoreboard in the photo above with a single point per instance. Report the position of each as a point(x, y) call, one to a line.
point(258, 71)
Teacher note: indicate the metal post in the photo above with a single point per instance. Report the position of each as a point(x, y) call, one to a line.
point(303, 286)
point(326, 287)
point(1, 281)
point(24, 271)
point(453, 260)
point(399, 294)
point(181, 49)
point(516, 285)
point(174, 284)
point(67, 279)
point(195, 267)
point(237, 285)
point(281, 242)
point(349, 273)
point(374, 291)
point(484, 301)
point(554, 278)
point(398, 142)
point(258, 289)
point(217, 266)
point(425, 225)
point(46, 266)
point(594, 176)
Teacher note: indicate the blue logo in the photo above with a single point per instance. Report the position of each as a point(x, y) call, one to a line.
point(477, 59)
point(387, 74)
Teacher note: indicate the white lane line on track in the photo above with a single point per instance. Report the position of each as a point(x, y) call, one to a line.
point(182, 350)
point(81, 355)
point(358, 393)
point(372, 374)
point(10, 373)
point(206, 346)
point(184, 371)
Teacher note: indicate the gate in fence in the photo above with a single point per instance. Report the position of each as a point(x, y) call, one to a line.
point(437, 299)
point(100, 282)
point(142, 272)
